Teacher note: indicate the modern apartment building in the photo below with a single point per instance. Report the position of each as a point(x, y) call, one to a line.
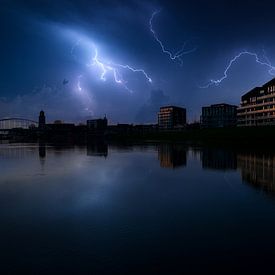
point(219, 116)
point(257, 107)
point(171, 117)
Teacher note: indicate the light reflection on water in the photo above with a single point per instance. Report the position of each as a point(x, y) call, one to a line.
point(163, 208)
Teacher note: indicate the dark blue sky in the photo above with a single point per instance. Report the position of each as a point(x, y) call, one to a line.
point(45, 42)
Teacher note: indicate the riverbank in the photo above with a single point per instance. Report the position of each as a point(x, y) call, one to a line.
point(262, 136)
point(251, 135)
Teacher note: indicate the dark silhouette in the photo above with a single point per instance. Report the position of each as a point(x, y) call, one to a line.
point(172, 155)
point(42, 120)
point(218, 159)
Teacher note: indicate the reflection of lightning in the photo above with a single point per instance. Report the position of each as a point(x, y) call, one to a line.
point(266, 62)
point(176, 56)
point(113, 68)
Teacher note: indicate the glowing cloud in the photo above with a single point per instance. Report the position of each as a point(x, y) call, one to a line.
point(107, 68)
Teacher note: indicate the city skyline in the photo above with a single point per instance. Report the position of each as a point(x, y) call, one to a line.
point(127, 59)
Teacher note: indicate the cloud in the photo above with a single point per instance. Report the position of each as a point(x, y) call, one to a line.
point(148, 112)
point(58, 103)
point(69, 103)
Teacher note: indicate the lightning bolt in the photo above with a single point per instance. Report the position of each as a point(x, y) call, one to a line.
point(113, 68)
point(86, 98)
point(173, 56)
point(149, 79)
point(266, 62)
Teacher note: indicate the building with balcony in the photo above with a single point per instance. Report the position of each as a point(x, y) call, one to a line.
point(257, 107)
point(171, 117)
point(219, 116)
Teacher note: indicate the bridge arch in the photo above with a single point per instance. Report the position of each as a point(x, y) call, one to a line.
point(16, 122)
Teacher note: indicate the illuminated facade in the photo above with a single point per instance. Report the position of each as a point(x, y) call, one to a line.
point(257, 107)
point(219, 116)
point(171, 117)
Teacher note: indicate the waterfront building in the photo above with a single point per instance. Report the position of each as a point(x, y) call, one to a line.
point(171, 117)
point(219, 116)
point(60, 127)
point(97, 124)
point(257, 107)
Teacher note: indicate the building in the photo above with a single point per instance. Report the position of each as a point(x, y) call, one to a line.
point(97, 124)
point(171, 117)
point(257, 107)
point(42, 120)
point(219, 116)
point(60, 127)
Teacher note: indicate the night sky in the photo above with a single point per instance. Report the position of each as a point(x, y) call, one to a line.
point(80, 59)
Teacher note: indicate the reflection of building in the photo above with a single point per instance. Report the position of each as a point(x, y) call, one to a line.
point(42, 150)
point(99, 149)
point(258, 170)
point(218, 159)
point(171, 117)
point(172, 155)
point(219, 116)
point(258, 106)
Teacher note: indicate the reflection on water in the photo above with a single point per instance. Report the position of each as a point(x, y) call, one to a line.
point(42, 150)
point(172, 155)
point(110, 209)
point(220, 159)
point(258, 170)
point(99, 149)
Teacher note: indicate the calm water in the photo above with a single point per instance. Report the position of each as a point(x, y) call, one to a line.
point(167, 209)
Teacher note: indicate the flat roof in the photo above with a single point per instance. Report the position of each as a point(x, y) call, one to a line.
point(220, 105)
point(256, 91)
point(171, 106)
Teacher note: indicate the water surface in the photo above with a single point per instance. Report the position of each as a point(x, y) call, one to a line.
point(161, 208)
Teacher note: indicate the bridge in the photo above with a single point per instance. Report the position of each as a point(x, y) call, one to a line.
point(7, 124)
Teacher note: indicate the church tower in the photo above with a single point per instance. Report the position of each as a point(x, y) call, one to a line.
point(42, 120)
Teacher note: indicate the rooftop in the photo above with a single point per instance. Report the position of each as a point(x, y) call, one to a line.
point(171, 106)
point(221, 105)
